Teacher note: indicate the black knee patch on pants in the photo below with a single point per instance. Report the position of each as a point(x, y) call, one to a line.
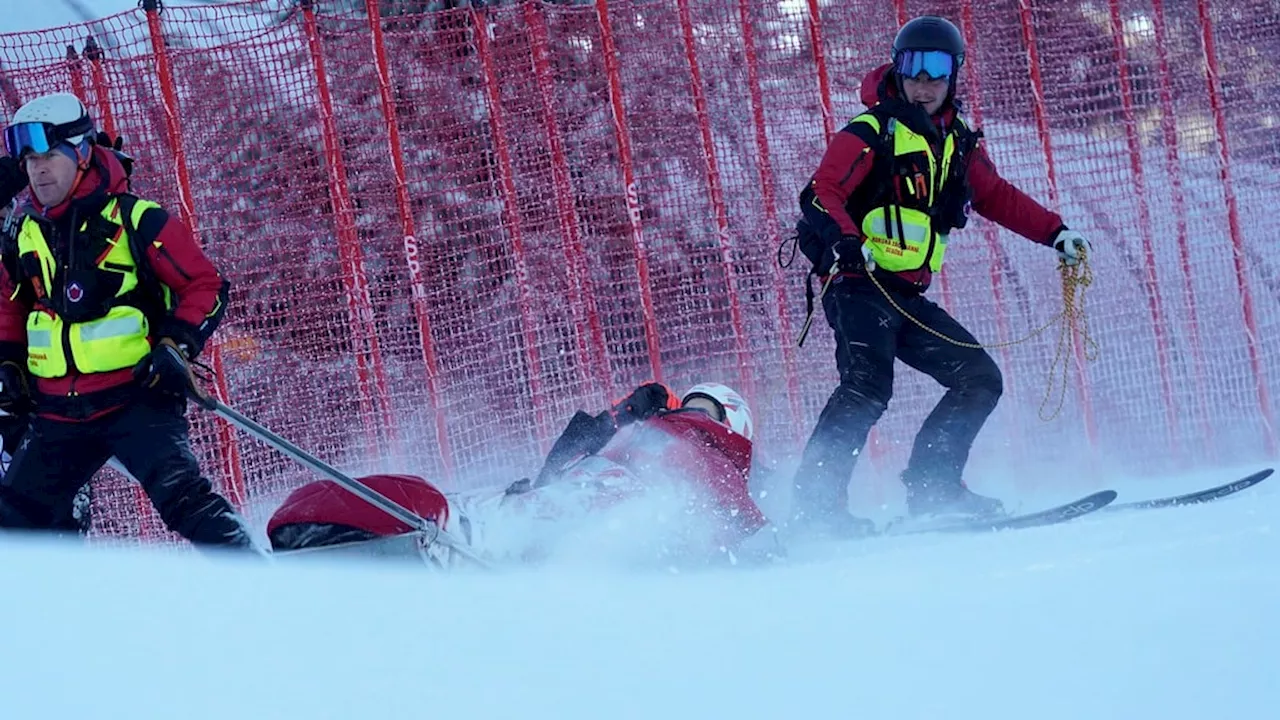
point(150, 438)
point(821, 483)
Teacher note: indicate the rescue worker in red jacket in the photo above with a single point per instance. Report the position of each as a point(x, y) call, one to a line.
point(104, 299)
point(892, 186)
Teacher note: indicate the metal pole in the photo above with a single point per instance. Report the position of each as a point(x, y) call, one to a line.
point(357, 488)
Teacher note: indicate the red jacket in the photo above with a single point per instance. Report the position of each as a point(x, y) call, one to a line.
point(175, 260)
point(705, 452)
point(843, 169)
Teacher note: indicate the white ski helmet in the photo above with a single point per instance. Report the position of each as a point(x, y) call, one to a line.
point(47, 121)
point(735, 411)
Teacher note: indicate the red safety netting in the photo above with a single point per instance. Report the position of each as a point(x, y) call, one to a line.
point(448, 229)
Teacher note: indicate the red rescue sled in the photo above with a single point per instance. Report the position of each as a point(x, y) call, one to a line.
point(324, 514)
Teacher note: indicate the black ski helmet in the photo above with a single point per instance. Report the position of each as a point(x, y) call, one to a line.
point(930, 32)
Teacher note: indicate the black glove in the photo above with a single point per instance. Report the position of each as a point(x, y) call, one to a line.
point(14, 392)
point(12, 430)
point(116, 146)
point(15, 397)
point(645, 402)
point(13, 179)
point(164, 369)
point(846, 253)
point(103, 139)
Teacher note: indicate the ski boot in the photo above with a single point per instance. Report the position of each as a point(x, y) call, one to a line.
point(951, 501)
point(837, 525)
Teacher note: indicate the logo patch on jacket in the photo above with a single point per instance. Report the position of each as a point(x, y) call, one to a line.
point(75, 293)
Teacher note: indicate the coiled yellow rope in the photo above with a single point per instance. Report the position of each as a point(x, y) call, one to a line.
point(1075, 280)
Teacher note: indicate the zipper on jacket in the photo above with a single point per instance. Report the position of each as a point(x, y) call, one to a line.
point(855, 164)
point(72, 237)
point(938, 182)
point(165, 253)
point(72, 371)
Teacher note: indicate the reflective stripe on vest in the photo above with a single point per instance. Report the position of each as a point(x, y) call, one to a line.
point(117, 339)
point(39, 338)
point(902, 238)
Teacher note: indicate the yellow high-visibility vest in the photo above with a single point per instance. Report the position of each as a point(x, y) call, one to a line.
point(903, 238)
point(115, 335)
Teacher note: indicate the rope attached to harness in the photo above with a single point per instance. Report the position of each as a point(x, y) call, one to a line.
point(1075, 280)
point(1075, 324)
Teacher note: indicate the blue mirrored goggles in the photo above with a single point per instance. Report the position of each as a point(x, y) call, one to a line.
point(29, 137)
point(937, 64)
point(39, 137)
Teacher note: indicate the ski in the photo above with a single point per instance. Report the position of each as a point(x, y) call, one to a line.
point(1201, 496)
point(1040, 518)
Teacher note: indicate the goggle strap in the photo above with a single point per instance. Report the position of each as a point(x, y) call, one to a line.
point(81, 126)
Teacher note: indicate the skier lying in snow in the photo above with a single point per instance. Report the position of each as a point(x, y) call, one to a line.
point(681, 466)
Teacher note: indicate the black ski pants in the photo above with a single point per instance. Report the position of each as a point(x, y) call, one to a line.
point(869, 335)
point(149, 437)
point(72, 519)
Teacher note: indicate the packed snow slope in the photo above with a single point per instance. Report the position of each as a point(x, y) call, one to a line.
point(1159, 614)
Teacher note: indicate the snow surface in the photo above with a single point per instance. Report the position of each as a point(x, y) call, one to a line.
point(1163, 614)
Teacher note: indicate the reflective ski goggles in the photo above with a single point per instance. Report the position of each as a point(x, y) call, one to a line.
point(30, 137)
point(937, 64)
point(39, 138)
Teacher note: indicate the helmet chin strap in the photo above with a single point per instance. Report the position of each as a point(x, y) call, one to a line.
point(75, 184)
point(84, 155)
point(84, 159)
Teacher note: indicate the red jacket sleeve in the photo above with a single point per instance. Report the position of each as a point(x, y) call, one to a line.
point(845, 164)
point(13, 320)
point(998, 200)
point(179, 263)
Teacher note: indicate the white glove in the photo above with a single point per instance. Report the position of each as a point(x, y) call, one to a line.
point(1070, 246)
point(868, 258)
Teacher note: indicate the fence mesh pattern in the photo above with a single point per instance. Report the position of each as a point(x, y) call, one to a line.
point(448, 228)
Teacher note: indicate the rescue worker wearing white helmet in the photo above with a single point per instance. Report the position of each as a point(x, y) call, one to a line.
point(104, 300)
point(75, 518)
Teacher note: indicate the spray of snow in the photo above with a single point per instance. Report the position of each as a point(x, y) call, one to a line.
point(1166, 614)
